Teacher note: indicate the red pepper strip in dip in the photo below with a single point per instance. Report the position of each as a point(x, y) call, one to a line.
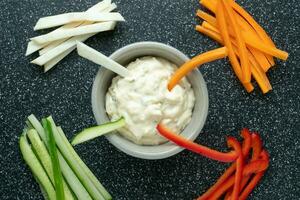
point(253, 167)
point(233, 143)
point(245, 148)
point(254, 181)
point(197, 148)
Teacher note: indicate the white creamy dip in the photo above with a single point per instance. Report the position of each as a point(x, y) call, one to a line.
point(143, 99)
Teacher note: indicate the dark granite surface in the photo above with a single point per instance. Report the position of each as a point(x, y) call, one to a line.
point(65, 91)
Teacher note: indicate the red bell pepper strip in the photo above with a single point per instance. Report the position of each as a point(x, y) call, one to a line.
point(233, 143)
point(219, 182)
point(246, 148)
point(197, 148)
point(256, 145)
point(247, 141)
point(254, 181)
point(253, 167)
point(227, 195)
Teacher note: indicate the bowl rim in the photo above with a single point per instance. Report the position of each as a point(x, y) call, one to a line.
point(113, 138)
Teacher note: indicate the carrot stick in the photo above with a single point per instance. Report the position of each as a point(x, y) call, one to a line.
point(244, 15)
point(239, 40)
point(195, 62)
point(259, 57)
point(258, 74)
point(207, 17)
point(232, 57)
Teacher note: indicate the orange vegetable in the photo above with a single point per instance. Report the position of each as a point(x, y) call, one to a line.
point(195, 62)
point(239, 41)
point(256, 70)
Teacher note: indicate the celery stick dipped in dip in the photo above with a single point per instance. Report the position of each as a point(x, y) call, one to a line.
point(143, 99)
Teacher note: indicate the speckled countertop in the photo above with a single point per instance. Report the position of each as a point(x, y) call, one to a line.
point(65, 93)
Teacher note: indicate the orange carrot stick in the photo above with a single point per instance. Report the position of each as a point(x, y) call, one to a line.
point(246, 70)
point(207, 17)
point(232, 57)
point(195, 62)
point(258, 74)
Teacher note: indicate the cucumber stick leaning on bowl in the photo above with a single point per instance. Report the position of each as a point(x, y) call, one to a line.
point(96, 131)
point(55, 165)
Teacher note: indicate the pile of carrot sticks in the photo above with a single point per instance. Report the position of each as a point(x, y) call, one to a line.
point(249, 48)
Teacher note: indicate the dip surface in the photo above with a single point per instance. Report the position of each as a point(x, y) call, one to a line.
point(143, 99)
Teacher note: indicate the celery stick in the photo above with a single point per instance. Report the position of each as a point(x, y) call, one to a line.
point(88, 172)
point(88, 184)
point(69, 175)
point(96, 131)
point(59, 188)
point(36, 167)
point(44, 157)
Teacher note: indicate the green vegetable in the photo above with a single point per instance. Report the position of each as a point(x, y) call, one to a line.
point(96, 131)
point(69, 175)
point(36, 167)
point(59, 188)
point(45, 159)
point(88, 184)
point(87, 171)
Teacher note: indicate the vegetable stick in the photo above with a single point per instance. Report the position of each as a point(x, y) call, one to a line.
point(51, 46)
point(33, 47)
point(232, 142)
point(232, 57)
point(42, 154)
point(207, 17)
point(36, 167)
point(100, 59)
point(96, 131)
point(68, 173)
point(60, 49)
point(58, 20)
point(244, 62)
point(54, 61)
point(58, 183)
point(107, 7)
point(194, 147)
point(90, 187)
point(244, 15)
point(195, 62)
point(81, 30)
point(258, 75)
point(85, 168)
point(260, 57)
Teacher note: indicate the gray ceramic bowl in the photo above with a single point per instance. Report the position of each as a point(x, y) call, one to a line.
point(128, 54)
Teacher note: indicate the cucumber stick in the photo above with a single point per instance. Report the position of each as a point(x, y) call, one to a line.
point(88, 184)
point(36, 167)
point(59, 188)
point(88, 172)
point(96, 131)
point(45, 159)
point(68, 173)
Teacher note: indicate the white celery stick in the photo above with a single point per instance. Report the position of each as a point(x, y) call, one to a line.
point(55, 60)
point(100, 59)
point(70, 32)
point(102, 6)
point(66, 18)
